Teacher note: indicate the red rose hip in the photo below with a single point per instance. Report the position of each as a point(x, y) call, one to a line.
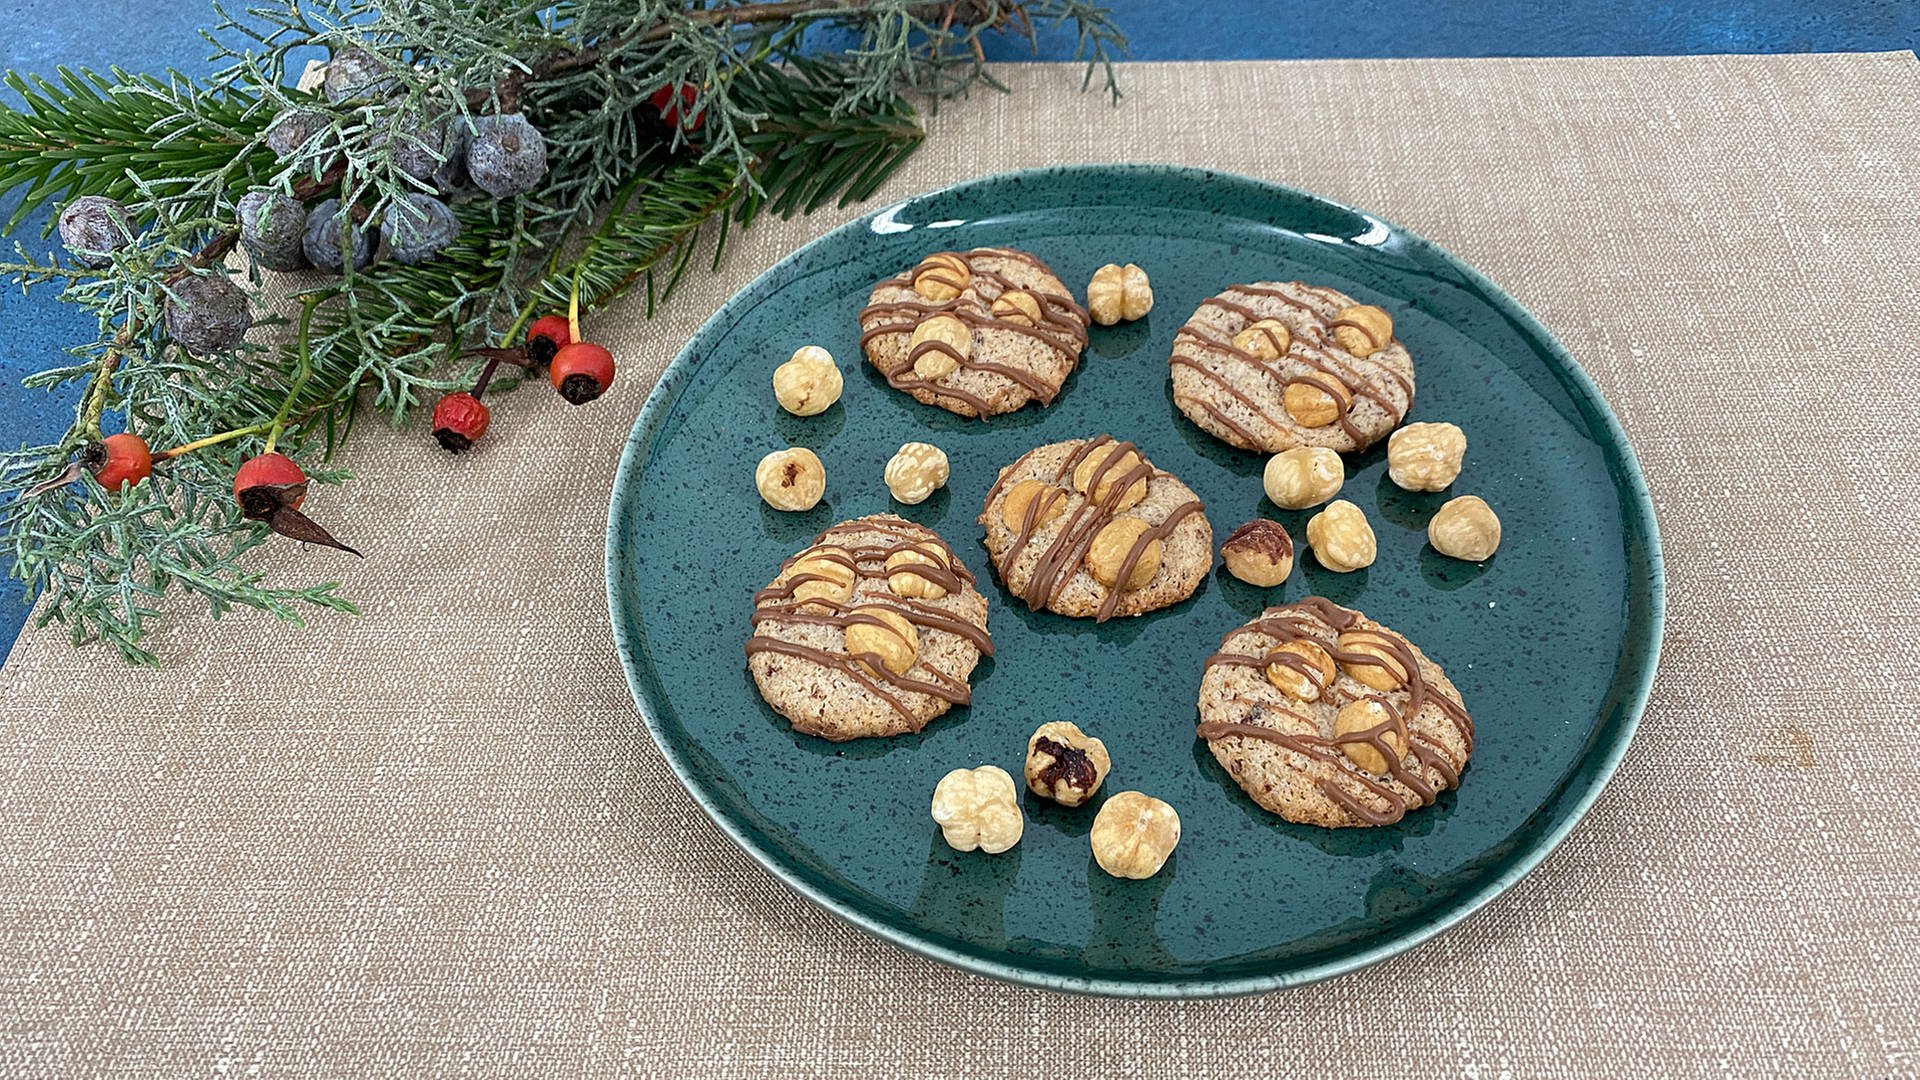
point(548, 335)
point(119, 459)
point(270, 488)
point(459, 420)
point(581, 372)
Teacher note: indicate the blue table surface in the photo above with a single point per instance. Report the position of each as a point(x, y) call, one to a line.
point(42, 34)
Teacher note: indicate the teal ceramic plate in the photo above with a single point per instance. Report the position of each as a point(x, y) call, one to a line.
point(1553, 642)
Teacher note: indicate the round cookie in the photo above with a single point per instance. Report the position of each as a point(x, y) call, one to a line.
point(798, 653)
point(1012, 361)
point(1238, 398)
point(1283, 752)
point(1041, 554)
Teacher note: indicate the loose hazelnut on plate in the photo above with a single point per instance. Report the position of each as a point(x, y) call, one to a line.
point(1066, 764)
point(808, 383)
point(978, 809)
point(1341, 539)
point(942, 276)
point(1107, 556)
point(1465, 528)
point(1303, 476)
point(1119, 294)
point(1133, 834)
point(791, 479)
point(1259, 553)
point(1268, 339)
point(1362, 329)
point(915, 472)
point(883, 634)
point(938, 345)
point(1425, 457)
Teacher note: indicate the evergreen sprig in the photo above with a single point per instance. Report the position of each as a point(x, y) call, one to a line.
point(632, 196)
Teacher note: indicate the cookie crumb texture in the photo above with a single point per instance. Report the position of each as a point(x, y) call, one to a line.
point(1238, 397)
point(1039, 542)
point(798, 653)
point(1284, 752)
point(1011, 359)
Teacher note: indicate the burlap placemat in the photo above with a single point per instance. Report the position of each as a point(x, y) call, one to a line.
point(436, 839)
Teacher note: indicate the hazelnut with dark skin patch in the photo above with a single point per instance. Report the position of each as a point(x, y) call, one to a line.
point(1065, 764)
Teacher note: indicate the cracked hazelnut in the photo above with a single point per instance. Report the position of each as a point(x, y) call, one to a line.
point(1119, 294)
point(1259, 553)
point(915, 472)
point(823, 576)
point(1018, 306)
point(791, 479)
point(1133, 834)
point(905, 581)
point(1303, 476)
point(1465, 528)
point(1317, 403)
point(978, 809)
point(1107, 555)
point(947, 341)
point(1369, 715)
point(1425, 457)
point(1111, 465)
point(1021, 496)
point(1300, 669)
point(1066, 764)
point(1383, 670)
point(942, 276)
point(884, 634)
point(1362, 329)
point(808, 383)
point(1268, 339)
point(1341, 539)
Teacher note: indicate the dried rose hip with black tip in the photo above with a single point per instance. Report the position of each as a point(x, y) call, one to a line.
point(118, 459)
point(459, 420)
point(270, 489)
point(547, 336)
point(581, 372)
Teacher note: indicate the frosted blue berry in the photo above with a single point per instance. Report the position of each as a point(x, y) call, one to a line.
point(272, 227)
point(206, 313)
point(353, 74)
point(292, 130)
point(329, 230)
point(417, 227)
point(94, 227)
point(422, 147)
point(506, 155)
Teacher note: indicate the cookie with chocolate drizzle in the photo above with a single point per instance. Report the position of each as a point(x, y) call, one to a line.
point(1326, 717)
point(1026, 331)
point(1239, 397)
point(872, 630)
point(1049, 510)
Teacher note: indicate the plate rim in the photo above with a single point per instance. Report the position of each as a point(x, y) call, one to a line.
point(634, 454)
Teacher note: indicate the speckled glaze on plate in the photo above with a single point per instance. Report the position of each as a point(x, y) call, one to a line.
point(1553, 642)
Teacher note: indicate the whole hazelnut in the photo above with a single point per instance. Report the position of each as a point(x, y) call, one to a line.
point(1133, 834)
point(942, 276)
point(881, 633)
point(1109, 464)
point(1362, 329)
point(1369, 715)
point(1300, 669)
point(823, 576)
point(1107, 555)
point(915, 472)
point(1066, 764)
point(1268, 339)
point(1017, 306)
point(1119, 294)
point(1303, 476)
point(906, 581)
point(938, 345)
point(791, 479)
point(978, 810)
point(1425, 457)
point(808, 383)
point(1020, 499)
point(1465, 528)
point(1382, 669)
point(1341, 539)
point(1317, 403)
point(1259, 553)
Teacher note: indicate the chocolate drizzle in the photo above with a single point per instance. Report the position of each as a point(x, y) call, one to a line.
point(1320, 621)
point(1062, 327)
point(777, 605)
point(1312, 359)
point(1056, 562)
